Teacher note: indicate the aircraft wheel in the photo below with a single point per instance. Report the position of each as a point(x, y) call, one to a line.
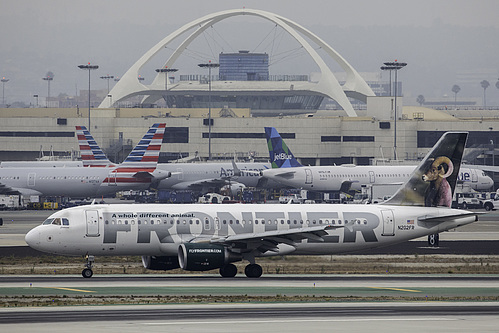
point(253, 271)
point(229, 270)
point(87, 273)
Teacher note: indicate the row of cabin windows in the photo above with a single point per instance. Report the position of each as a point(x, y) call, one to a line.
point(65, 221)
point(334, 175)
point(56, 177)
point(257, 221)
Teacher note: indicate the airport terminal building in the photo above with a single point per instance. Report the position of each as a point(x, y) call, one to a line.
point(316, 139)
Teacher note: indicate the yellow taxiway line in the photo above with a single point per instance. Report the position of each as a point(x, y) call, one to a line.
point(397, 289)
point(70, 289)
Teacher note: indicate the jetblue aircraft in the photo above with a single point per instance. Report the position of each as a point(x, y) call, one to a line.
point(204, 237)
point(345, 178)
point(136, 172)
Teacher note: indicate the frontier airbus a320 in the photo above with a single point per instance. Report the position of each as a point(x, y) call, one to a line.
point(204, 237)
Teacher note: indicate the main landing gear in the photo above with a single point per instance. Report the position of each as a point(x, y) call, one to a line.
point(251, 270)
point(87, 272)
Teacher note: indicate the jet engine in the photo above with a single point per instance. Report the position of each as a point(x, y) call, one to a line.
point(203, 257)
point(236, 188)
point(160, 263)
point(233, 189)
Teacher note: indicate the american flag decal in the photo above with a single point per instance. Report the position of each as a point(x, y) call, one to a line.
point(410, 221)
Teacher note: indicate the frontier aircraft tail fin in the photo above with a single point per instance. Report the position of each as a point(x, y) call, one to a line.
point(433, 182)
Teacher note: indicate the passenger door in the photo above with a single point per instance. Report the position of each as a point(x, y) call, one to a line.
point(31, 179)
point(92, 223)
point(388, 223)
point(372, 178)
point(308, 176)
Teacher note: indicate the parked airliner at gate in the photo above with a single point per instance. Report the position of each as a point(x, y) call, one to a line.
point(346, 178)
point(204, 237)
point(137, 172)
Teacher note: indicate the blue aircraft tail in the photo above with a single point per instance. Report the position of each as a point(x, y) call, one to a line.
point(433, 182)
point(280, 155)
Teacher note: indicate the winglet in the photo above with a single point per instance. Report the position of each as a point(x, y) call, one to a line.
point(279, 153)
point(433, 182)
point(91, 154)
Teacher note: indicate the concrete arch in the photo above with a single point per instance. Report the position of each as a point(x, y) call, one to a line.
point(328, 85)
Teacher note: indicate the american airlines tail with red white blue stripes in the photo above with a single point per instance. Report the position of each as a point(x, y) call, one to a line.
point(138, 168)
point(91, 154)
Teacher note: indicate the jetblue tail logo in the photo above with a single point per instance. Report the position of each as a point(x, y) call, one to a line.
point(433, 182)
point(280, 155)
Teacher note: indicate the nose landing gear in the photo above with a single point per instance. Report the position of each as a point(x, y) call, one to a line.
point(87, 272)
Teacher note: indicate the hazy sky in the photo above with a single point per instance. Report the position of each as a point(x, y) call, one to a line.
point(445, 42)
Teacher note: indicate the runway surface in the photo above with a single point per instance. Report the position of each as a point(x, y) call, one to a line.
point(429, 287)
point(356, 317)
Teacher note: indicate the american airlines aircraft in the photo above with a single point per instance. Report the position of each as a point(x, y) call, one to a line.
point(201, 237)
point(345, 178)
point(136, 172)
point(199, 177)
point(206, 177)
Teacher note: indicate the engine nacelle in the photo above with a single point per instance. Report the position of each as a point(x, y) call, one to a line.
point(202, 257)
point(236, 188)
point(160, 263)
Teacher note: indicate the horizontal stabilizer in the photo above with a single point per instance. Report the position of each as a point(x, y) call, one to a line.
point(446, 218)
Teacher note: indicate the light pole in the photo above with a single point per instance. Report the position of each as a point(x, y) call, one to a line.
point(166, 70)
point(395, 66)
point(107, 77)
point(4, 81)
point(48, 77)
point(89, 68)
point(209, 65)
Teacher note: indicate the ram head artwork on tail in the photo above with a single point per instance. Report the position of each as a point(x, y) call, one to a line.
point(439, 192)
point(433, 183)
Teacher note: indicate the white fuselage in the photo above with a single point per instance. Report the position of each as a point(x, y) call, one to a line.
point(159, 229)
point(73, 182)
point(331, 178)
point(204, 176)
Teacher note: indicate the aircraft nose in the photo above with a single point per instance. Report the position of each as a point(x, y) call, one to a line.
point(32, 238)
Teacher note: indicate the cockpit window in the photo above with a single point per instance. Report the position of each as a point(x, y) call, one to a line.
point(57, 221)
